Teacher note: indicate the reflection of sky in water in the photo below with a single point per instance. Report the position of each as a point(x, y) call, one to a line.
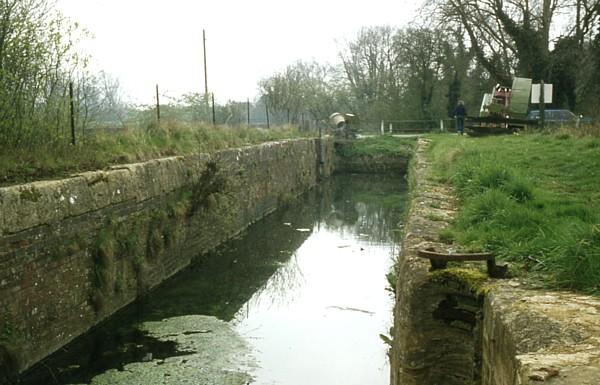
point(318, 319)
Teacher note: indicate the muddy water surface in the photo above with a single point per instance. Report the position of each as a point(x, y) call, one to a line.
point(299, 298)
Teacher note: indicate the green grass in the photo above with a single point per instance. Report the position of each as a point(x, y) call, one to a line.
point(532, 199)
point(383, 145)
point(51, 160)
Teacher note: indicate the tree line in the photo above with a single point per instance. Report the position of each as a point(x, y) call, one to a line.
point(459, 50)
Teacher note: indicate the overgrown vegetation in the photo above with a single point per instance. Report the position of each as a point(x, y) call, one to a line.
point(531, 199)
point(37, 62)
point(156, 232)
point(52, 159)
point(378, 146)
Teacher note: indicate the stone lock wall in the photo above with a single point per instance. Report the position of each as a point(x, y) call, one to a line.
point(74, 251)
point(436, 316)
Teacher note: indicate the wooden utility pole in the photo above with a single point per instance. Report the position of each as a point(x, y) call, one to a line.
point(157, 107)
point(72, 105)
point(205, 70)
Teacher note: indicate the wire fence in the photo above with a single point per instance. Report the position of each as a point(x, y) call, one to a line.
point(200, 109)
point(417, 126)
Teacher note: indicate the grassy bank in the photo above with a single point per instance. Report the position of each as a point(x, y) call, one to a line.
point(381, 145)
point(532, 199)
point(51, 160)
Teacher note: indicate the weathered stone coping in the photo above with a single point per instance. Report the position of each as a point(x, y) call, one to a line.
point(532, 335)
point(521, 336)
point(27, 205)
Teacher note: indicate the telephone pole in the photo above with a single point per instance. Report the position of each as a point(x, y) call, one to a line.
point(205, 71)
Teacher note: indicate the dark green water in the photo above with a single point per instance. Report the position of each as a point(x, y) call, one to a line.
point(305, 286)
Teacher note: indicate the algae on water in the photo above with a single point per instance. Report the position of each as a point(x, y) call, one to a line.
point(218, 356)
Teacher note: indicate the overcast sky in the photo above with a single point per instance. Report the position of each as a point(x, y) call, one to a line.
point(145, 42)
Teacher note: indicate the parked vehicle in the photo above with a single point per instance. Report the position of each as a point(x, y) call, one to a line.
point(560, 118)
point(554, 116)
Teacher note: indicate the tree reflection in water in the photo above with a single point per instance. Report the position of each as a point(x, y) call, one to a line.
point(328, 302)
point(371, 205)
point(365, 207)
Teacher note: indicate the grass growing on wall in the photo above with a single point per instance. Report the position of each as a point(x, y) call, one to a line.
point(102, 149)
point(383, 145)
point(532, 199)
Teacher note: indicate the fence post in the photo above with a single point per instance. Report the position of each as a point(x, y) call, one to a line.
point(320, 145)
point(248, 110)
point(267, 110)
point(213, 109)
point(442, 125)
point(382, 128)
point(390, 127)
point(72, 113)
point(157, 108)
point(542, 105)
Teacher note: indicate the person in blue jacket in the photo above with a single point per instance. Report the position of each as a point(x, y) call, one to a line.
point(459, 114)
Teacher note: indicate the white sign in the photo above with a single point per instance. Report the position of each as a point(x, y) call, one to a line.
point(487, 100)
point(535, 93)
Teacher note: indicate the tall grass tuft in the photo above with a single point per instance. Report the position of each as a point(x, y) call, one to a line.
point(574, 260)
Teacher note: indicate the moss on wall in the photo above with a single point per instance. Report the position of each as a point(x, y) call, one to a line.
point(468, 279)
point(30, 194)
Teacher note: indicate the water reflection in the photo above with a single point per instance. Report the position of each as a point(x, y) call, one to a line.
point(324, 328)
point(367, 206)
point(293, 282)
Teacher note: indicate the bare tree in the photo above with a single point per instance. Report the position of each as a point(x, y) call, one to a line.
point(507, 36)
point(372, 66)
point(37, 61)
point(587, 15)
point(302, 87)
point(421, 53)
